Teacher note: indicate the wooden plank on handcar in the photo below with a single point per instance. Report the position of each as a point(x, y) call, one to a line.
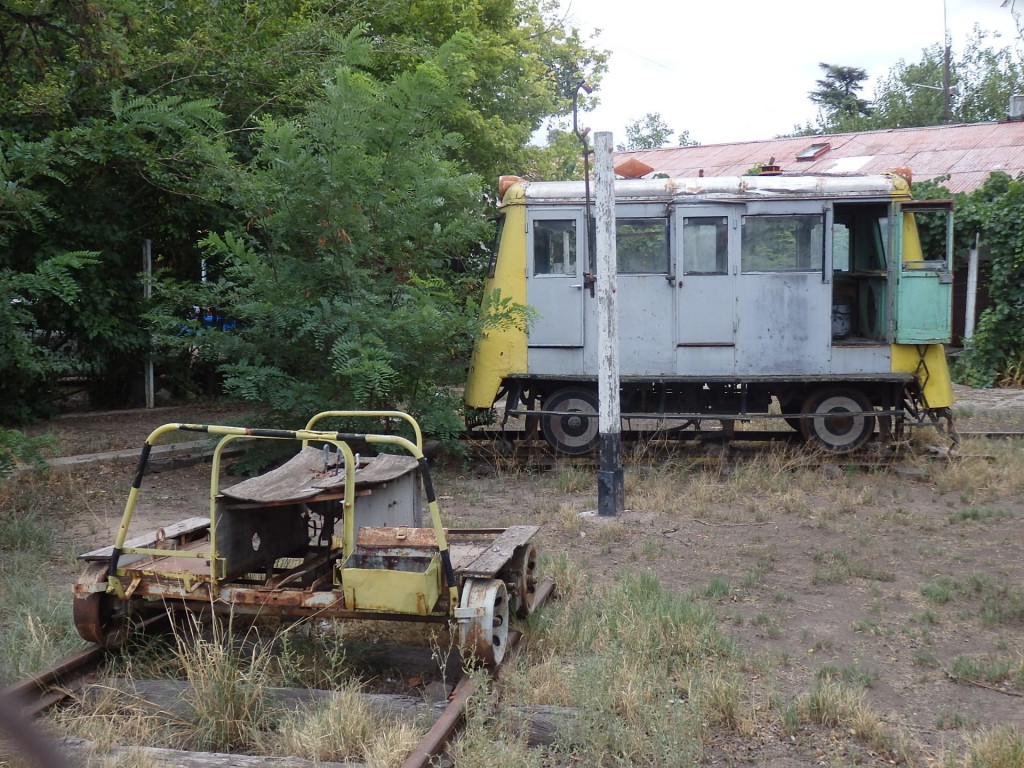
point(487, 564)
point(150, 539)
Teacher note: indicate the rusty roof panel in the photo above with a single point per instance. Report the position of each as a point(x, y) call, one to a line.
point(968, 153)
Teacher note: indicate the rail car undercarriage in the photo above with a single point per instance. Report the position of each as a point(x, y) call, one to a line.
point(834, 416)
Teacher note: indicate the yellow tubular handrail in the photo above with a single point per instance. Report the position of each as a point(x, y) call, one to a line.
point(231, 434)
point(370, 415)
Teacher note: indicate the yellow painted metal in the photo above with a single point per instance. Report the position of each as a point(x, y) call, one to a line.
point(404, 591)
point(913, 255)
point(929, 364)
point(394, 591)
point(502, 350)
point(230, 434)
point(370, 414)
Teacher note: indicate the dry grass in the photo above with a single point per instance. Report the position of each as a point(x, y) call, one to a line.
point(224, 707)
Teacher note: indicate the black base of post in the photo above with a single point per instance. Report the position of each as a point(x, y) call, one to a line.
point(611, 496)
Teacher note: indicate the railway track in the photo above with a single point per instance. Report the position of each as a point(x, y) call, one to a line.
point(29, 698)
point(702, 447)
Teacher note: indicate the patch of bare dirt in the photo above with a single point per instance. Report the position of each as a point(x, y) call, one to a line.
point(825, 571)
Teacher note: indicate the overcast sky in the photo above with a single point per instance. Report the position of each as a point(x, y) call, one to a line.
point(736, 70)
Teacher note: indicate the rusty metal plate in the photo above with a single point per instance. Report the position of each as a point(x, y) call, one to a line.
point(400, 536)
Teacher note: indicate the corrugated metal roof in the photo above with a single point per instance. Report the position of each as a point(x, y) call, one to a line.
point(968, 153)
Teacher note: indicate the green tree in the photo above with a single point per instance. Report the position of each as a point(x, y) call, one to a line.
point(982, 79)
point(148, 112)
point(524, 66)
point(344, 281)
point(560, 159)
point(649, 132)
point(995, 210)
point(143, 167)
point(837, 93)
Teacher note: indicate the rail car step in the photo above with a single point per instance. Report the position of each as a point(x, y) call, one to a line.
point(150, 539)
point(489, 562)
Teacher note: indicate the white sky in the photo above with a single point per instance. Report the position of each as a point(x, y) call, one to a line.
point(736, 70)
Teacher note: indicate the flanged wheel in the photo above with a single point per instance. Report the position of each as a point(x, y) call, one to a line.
point(483, 620)
point(574, 429)
point(521, 573)
point(837, 422)
point(99, 617)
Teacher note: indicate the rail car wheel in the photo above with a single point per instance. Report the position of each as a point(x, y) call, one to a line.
point(483, 620)
point(574, 428)
point(829, 423)
point(521, 573)
point(99, 617)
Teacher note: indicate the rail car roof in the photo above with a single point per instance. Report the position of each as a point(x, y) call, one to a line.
point(682, 190)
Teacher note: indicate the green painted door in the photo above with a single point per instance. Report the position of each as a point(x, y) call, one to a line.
point(922, 271)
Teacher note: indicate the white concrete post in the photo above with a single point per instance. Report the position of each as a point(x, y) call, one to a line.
point(610, 494)
point(972, 288)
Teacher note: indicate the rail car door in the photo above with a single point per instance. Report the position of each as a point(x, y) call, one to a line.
point(923, 272)
point(554, 287)
point(706, 260)
point(645, 290)
point(784, 291)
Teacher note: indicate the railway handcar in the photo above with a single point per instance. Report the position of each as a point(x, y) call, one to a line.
point(821, 300)
point(327, 534)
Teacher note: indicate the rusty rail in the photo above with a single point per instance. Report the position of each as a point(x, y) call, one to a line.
point(28, 698)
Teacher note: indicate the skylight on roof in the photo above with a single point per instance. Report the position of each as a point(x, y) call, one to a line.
point(814, 151)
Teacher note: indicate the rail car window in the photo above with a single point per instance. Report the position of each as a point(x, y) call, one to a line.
point(554, 247)
point(859, 237)
point(782, 243)
point(499, 229)
point(840, 247)
point(705, 245)
point(641, 245)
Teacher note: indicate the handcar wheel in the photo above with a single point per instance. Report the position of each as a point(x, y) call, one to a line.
point(483, 621)
point(828, 424)
point(101, 618)
point(521, 574)
point(575, 429)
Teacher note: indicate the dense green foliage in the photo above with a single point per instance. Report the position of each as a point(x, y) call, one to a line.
point(995, 211)
point(837, 93)
point(982, 78)
point(349, 212)
point(991, 216)
point(328, 161)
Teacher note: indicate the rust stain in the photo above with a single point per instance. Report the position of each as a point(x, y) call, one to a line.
point(401, 536)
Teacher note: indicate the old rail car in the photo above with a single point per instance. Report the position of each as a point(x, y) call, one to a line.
point(830, 296)
point(327, 534)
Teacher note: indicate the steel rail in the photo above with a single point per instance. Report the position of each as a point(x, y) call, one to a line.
point(446, 726)
point(29, 698)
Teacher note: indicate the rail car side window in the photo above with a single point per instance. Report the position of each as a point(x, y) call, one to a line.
point(554, 247)
point(705, 245)
point(641, 245)
point(782, 243)
point(499, 229)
